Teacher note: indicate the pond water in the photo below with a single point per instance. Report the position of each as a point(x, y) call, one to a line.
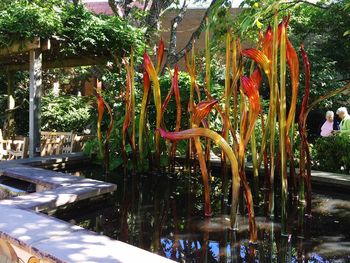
point(164, 214)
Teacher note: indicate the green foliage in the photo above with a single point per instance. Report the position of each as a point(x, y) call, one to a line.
point(321, 27)
point(62, 113)
point(65, 113)
point(91, 149)
point(78, 30)
point(331, 154)
point(21, 95)
point(22, 20)
point(89, 32)
point(327, 47)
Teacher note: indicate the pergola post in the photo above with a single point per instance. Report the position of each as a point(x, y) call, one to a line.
point(35, 73)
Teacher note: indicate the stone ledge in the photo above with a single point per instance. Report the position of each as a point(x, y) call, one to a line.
point(56, 241)
point(40, 176)
point(62, 188)
point(60, 196)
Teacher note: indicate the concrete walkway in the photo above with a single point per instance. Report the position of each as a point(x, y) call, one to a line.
point(53, 240)
point(53, 189)
point(318, 177)
point(330, 179)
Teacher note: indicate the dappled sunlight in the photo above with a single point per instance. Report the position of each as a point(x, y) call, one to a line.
point(29, 227)
point(338, 207)
point(333, 249)
point(65, 199)
point(89, 247)
point(64, 241)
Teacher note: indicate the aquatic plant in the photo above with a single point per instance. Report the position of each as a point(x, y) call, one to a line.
point(201, 111)
point(143, 111)
point(277, 51)
point(304, 148)
point(129, 111)
point(153, 74)
point(195, 133)
point(239, 108)
point(103, 145)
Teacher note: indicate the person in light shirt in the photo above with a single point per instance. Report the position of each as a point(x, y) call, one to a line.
point(343, 114)
point(327, 128)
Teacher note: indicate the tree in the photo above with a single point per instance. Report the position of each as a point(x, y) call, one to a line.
point(152, 10)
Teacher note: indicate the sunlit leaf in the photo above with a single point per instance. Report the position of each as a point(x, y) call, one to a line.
point(259, 57)
point(201, 110)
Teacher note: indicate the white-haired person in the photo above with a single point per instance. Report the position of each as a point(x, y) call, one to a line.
point(343, 114)
point(329, 126)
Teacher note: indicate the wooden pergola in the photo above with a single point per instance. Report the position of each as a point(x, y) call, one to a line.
point(35, 55)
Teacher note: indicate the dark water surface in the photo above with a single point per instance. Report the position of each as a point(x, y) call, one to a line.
point(164, 214)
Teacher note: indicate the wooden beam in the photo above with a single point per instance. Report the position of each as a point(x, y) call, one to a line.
point(66, 63)
point(35, 73)
point(20, 47)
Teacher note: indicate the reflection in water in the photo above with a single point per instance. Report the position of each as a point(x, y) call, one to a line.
point(163, 214)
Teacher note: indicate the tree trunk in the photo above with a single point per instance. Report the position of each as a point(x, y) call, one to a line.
point(171, 56)
point(152, 20)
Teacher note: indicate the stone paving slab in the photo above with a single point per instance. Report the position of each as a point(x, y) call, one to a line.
point(22, 226)
point(57, 241)
point(86, 246)
point(40, 176)
point(80, 190)
point(62, 188)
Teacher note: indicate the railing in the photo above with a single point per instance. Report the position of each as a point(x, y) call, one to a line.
point(52, 143)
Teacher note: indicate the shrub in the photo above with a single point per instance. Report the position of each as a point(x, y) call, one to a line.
point(331, 154)
point(65, 113)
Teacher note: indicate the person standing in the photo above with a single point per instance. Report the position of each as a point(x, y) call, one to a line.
point(327, 128)
point(343, 114)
